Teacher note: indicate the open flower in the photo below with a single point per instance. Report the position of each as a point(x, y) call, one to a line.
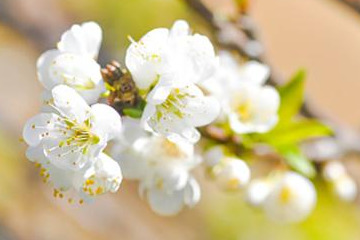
point(252, 108)
point(246, 102)
point(175, 52)
point(230, 172)
point(175, 113)
point(73, 62)
point(73, 134)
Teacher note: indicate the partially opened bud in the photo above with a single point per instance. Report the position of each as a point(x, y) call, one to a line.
point(343, 186)
point(234, 174)
point(292, 198)
point(257, 191)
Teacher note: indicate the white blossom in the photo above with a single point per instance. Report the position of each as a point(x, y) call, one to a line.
point(341, 183)
point(73, 62)
point(174, 55)
point(104, 175)
point(247, 104)
point(73, 133)
point(252, 108)
point(230, 172)
point(175, 113)
point(291, 199)
point(162, 168)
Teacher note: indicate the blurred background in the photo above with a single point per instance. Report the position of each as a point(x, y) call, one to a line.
point(322, 36)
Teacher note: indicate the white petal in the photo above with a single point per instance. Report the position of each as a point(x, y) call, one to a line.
point(255, 73)
point(180, 28)
point(214, 155)
point(192, 193)
point(172, 177)
point(93, 36)
point(164, 203)
point(61, 179)
point(79, 72)
point(144, 59)
point(83, 40)
point(36, 154)
point(45, 61)
point(70, 104)
point(202, 111)
point(257, 192)
point(133, 166)
point(65, 157)
point(105, 121)
point(193, 58)
point(160, 93)
point(36, 127)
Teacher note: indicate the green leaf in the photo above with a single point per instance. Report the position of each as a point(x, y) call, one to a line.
point(292, 97)
point(297, 161)
point(133, 112)
point(296, 132)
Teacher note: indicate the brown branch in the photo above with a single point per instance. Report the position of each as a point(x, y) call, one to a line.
point(354, 4)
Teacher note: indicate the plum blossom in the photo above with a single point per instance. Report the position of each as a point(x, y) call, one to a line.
point(162, 168)
point(285, 197)
point(73, 62)
point(177, 112)
point(246, 103)
point(230, 172)
point(73, 134)
point(165, 65)
point(170, 56)
point(103, 176)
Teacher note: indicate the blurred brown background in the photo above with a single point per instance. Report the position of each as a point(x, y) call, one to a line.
point(322, 36)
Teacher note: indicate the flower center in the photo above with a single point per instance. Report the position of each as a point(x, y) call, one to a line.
point(243, 110)
point(174, 104)
point(285, 195)
point(80, 135)
point(172, 150)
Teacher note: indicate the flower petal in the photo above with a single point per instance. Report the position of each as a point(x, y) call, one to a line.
point(165, 203)
point(83, 40)
point(44, 62)
point(105, 121)
point(192, 193)
point(36, 127)
point(78, 72)
point(143, 59)
point(255, 72)
point(70, 104)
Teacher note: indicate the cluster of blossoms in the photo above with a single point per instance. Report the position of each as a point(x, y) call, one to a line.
point(183, 86)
